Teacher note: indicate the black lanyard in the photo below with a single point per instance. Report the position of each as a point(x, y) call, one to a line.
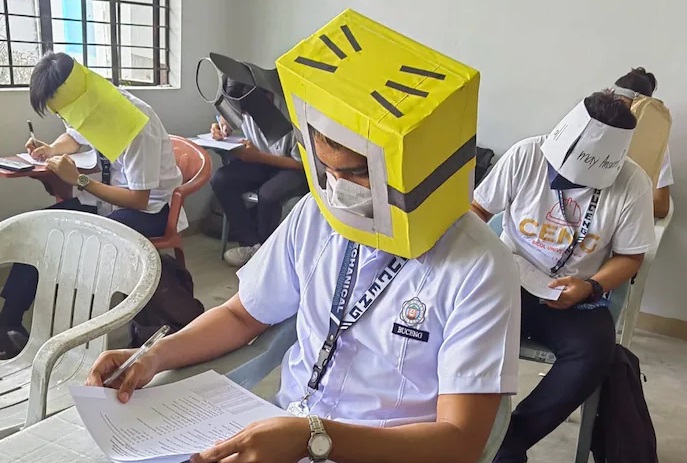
point(105, 165)
point(583, 230)
point(342, 295)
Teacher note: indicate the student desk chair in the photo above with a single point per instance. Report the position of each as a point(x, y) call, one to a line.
point(196, 169)
point(51, 182)
point(637, 290)
point(532, 351)
point(83, 260)
point(63, 437)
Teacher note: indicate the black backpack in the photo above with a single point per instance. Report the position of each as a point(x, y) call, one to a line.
point(623, 431)
point(484, 157)
point(172, 304)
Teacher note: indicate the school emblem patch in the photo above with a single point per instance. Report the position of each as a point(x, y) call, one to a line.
point(413, 312)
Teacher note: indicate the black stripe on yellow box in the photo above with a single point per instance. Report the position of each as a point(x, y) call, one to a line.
point(332, 46)
point(351, 38)
point(316, 64)
point(408, 202)
point(386, 104)
point(423, 72)
point(406, 89)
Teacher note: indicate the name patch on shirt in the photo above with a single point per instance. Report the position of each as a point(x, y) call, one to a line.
point(410, 333)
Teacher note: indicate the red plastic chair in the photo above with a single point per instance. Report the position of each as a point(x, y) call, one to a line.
point(196, 169)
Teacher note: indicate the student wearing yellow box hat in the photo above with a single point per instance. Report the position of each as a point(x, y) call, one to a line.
point(139, 171)
point(407, 305)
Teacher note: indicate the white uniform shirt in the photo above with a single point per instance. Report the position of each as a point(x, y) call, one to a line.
point(286, 146)
point(535, 228)
point(147, 164)
point(665, 176)
point(467, 281)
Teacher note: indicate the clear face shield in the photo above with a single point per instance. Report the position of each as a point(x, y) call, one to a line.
point(235, 89)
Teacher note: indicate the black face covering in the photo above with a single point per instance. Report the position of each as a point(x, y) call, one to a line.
point(246, 88)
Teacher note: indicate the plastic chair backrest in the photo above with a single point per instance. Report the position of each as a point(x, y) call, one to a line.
point(193, 162)
point(82, 261)
point(496, 223)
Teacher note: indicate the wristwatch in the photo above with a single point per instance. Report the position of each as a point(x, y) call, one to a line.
point(597, 290)
point(319, 444)
point(82, 181)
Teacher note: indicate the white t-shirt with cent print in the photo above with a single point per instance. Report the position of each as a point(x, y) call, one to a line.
point(535, 228)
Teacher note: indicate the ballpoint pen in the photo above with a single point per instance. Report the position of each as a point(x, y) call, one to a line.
point(159, 334)
point(219, 122)
point(31, 134)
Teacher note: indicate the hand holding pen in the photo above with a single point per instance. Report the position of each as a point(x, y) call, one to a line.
point(126, 370)
point(220, 129)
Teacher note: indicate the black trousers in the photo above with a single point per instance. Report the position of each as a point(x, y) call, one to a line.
point(583, 342)
point(22, 282)
point(274, 187)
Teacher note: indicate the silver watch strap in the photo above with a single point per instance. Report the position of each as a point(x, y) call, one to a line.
point(316, 426)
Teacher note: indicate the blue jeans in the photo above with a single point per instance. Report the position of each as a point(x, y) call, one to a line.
point(20, 287)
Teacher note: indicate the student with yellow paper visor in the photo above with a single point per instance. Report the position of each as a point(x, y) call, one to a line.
point(139, 171)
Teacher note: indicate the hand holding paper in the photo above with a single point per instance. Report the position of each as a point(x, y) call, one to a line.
point(535, 281)
point(575, 290)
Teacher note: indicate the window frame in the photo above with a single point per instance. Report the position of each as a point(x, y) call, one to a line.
point(46, 42)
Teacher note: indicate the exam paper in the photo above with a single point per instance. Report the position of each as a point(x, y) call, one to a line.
point(169, 423)
point(85, 160)
point(535, 281)
point(229, 143)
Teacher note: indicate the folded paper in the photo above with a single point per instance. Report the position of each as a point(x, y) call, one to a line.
point(98, 111)
point(586, 151)
point(409, 109)
point(263, 86)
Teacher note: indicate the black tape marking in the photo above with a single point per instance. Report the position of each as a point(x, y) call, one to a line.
point(406, 89)
point(423, 72)
point(333, 47)
point(386, 104)
point(410, 201)
point(316, 64)
point(351, 38)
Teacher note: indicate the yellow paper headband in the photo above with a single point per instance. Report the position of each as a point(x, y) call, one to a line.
point(98, 111)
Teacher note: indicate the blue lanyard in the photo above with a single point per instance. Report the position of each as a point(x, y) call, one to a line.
point(583, 230)
point(342, 295)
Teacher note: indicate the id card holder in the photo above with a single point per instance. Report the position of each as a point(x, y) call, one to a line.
point(299, 409)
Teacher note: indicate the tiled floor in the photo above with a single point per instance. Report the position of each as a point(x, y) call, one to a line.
point(664, 361)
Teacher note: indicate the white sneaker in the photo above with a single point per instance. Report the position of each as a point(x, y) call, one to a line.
point(238, 257)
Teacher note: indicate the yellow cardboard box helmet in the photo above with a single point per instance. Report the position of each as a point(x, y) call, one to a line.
point(411, 111)
point(98, 111)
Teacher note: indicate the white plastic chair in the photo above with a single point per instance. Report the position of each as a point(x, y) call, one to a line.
point(82, 261)
point(250, 364)
point(634, 301)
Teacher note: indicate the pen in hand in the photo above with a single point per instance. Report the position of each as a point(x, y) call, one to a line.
point(221, 127)
point(159, 334)
point(32, 136)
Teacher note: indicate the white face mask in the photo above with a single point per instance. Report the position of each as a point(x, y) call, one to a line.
point(349, 196)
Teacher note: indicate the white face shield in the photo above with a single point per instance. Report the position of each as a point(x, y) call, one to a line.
point(585, 151)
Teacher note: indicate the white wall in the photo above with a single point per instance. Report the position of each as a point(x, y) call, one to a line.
point(538, 58)
point(205, 27)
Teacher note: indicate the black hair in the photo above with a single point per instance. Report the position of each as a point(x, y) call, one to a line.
point(606, 108)
point(638, 80)
point(47, 76)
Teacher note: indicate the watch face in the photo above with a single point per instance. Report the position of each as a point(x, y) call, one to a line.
point(320, 445)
